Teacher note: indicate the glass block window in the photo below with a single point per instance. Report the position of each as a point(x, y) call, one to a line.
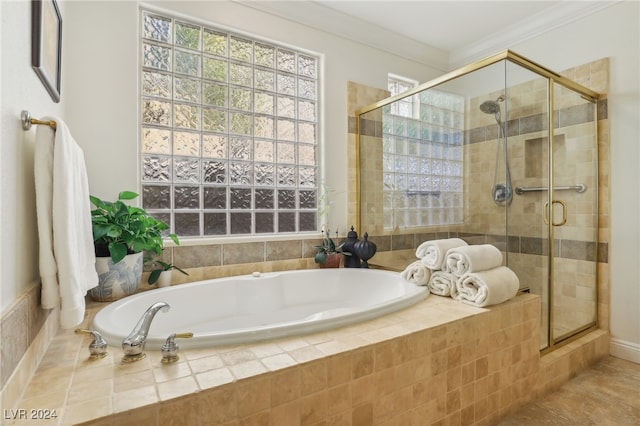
point(229, 130)
point(422, 160)
point(408, 106)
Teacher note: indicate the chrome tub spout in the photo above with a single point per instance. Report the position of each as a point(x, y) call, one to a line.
point(133, 344)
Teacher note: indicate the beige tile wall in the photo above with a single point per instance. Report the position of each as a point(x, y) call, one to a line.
point(358, 96)
point(19, 328)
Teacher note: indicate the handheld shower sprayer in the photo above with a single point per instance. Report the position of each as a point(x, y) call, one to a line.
point(502, 192)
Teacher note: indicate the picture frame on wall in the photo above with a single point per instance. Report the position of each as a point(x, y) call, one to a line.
point(46, 44)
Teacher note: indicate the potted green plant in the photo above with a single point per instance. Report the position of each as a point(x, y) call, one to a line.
point(121, 233)
point(162, 275)
point(328, 255)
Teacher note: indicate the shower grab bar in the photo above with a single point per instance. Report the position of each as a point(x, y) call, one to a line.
point(581, 187)
point(431, 193)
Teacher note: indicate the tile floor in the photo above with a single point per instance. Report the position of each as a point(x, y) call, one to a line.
point(606, 394)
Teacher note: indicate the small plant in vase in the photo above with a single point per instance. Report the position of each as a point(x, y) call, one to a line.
point(120, 229)
point(121, 233)
point(162, 275)
point(328, 255)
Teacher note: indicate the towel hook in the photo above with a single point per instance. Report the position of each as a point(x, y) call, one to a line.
point(27, 121)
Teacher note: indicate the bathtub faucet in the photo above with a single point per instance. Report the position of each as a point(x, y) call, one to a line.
point(133, 344)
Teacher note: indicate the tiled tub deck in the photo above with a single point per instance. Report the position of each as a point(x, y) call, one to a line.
point(437, 362)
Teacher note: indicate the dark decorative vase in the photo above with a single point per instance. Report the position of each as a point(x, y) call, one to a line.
point(352, 261)
point(365, 250)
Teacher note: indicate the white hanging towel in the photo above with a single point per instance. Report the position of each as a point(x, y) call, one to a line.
point(490, 287)
point(476, 258)
point(67, 257)
point(433, 252)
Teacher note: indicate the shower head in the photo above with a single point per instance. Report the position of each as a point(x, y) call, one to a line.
point(491, 107)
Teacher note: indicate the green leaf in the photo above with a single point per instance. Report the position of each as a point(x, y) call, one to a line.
point(114, 231)
point(180, 270)
point(96, 201)
point(165, 266)
point(121, 209)
point(136, 210)
point(100, 230)
point(118, 251)
point(154, 275)
point(127, 195)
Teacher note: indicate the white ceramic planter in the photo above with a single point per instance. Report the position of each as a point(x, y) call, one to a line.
point(116, 281)
point(164, 280)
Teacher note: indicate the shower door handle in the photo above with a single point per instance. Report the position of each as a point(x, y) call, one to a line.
point(564, 213)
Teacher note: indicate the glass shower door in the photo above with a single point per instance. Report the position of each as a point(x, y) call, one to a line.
point(574, 213)
point(527, 130)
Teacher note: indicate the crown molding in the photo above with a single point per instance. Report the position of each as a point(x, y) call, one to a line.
point(325, 19)
point(523, 30)
point(336, 23)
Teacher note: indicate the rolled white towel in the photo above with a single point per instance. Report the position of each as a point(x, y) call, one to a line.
point(416, 273)
point(490, 287)
point(442, 283)
point(432, 253)
point(462, 260)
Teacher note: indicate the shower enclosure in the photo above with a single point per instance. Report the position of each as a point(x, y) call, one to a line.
point(502, 151)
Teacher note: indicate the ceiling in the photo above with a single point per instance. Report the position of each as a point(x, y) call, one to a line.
point(443, 34)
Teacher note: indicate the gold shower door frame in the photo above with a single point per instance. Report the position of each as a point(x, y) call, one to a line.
point(555, 336)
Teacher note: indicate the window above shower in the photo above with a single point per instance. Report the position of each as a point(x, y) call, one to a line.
point(229, 131)
point(405, 107)
point(422, 138)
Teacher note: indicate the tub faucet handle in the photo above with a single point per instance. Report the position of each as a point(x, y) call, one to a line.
point(98, 346)
point(170, 348)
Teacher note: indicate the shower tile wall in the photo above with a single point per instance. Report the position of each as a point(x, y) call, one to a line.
point(358, 96)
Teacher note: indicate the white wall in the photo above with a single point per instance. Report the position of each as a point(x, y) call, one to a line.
point(102, 97)
point(21, 89)
point(614, 33)
point(1, 149)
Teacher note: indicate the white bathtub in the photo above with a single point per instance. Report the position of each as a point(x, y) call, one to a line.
point(250, 308)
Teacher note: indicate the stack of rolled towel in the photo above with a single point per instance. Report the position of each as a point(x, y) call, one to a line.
point(433, 255)
point(417, 273)
point(472, 274)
